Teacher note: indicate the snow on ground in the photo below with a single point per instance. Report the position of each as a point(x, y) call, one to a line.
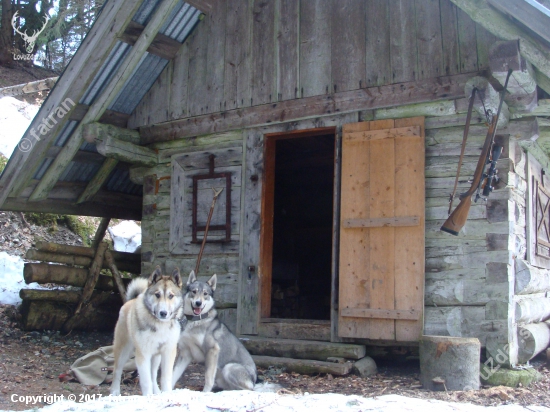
point(15, 117)
point(11, 279)
point(126, 236)
point(245, 401)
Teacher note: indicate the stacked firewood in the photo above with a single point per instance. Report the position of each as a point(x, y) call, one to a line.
point(89, 297)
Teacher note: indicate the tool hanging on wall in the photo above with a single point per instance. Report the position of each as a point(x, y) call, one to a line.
point(214, 200)
point(481, 180)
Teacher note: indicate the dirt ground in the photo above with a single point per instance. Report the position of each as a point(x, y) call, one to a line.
point(33, 361)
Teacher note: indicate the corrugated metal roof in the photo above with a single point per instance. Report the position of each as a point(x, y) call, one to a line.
point(182, 20)
point(178, 26)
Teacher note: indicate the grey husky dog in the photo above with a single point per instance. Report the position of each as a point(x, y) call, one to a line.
point(149, 322)
point(205, 339)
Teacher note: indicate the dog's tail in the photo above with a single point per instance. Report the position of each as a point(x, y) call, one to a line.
point(136, 287)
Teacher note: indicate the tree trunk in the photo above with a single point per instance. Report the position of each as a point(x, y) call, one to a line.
point(449, 363)
point(6, 35)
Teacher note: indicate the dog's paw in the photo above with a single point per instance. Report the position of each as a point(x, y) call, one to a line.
point(115, 392)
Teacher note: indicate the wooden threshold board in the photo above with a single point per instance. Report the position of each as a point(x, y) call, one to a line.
point(303, 366)
point(302, 349)
point(316, 330)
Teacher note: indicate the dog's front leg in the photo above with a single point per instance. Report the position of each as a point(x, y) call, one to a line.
point(167, 366)
point(182, 362)
point(211, 363)
point(143, 363)
point(155, 363)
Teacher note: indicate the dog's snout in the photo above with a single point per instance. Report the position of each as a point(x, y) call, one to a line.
point(163, 314)
point(198, 303)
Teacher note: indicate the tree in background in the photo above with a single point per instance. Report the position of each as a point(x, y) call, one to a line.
point(69, 22)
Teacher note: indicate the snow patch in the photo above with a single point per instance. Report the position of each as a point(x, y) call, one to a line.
point(11, 279)
point(15, 118)
point(241, 401)
point(126, 236)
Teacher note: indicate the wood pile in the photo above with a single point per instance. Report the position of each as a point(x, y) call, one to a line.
point(93, 298)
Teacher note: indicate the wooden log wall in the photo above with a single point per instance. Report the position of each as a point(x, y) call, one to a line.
point(468, 290)
point(531, 300)
point(248, 53)
point(166, 239)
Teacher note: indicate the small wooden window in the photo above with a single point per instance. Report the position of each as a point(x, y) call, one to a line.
point(542, 221)
point(538, 214)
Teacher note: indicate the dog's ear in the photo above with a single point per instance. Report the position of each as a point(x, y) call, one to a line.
point(176, 278)
point(155, 276)
point(192, 278)
point(212, 282)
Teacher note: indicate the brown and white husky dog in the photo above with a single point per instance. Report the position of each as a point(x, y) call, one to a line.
point(149, 323)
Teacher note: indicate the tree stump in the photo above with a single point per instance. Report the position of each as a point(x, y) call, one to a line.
point(449, 363)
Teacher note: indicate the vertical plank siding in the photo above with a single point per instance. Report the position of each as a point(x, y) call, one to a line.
point(263, 53)
point(251, 52)
point(288, 49)
point(429, 39)
point(237, 55)
point(348, 45)
point(378, 65)
point(450, 58)
point(315, 47)
point(403, 51)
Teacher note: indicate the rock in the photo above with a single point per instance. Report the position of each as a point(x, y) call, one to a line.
point(45, 339)
point(508, 377)
point(365, 367)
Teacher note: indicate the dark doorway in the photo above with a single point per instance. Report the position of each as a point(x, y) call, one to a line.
point(303, 184)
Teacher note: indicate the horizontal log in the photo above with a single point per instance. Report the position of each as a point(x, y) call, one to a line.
point(464, 321)
point(85, 251)
point(531, 309)
point(76, 260)
point(302, 349)
point(530, 279)
point(43, 273)
point(99, 131)
point(302, 366)
point(64, 296)
point(49, 315)
point(532, 340)
point(463, 289)
point(127, 152)
point(442, 88)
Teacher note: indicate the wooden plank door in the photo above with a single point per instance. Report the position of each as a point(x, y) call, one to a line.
point(381, 273)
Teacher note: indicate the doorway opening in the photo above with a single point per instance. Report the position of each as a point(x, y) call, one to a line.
point(298, 225)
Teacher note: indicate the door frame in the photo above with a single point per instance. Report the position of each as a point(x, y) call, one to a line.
point(267, 214)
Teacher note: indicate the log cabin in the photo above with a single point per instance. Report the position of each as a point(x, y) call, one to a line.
point(334, 129)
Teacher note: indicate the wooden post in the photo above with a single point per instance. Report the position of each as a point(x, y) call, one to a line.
point(116, 275)
point(449, 363)
point(100, 232)
point(88, 289)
